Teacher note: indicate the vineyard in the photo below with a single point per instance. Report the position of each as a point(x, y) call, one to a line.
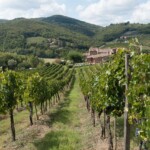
point(120, 86)
point(113, 90)
point(37, 88)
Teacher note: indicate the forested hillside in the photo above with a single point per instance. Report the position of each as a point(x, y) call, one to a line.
point(54, 36)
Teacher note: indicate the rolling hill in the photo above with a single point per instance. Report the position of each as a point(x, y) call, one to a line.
point(73, 24)
point(56, 35)
point(3, 20)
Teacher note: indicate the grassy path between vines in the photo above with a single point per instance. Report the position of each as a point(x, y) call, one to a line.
point(69, 129)
point(66, 127)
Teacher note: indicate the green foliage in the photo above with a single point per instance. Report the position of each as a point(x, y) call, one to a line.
point(106, 88)
point(73, 24)
point(9, 87)
point(37, 88)
point(50, 80)
point(26, 36)
point(30, 88)
point(53, 36)
point(13, 61)
point(12, 64)
point(100, 86)
point(75, 56)
point(34, 61)
point(35, 40)
point(139, 95)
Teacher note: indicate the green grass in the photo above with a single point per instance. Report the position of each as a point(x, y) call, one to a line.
point(68, 127)
point(58, 140)
point(5, 125)
point(64, 121)
point(35, 40)
point(120, 132)
point(63, 124)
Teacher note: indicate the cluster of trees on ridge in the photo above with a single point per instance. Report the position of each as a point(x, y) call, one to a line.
point(15, 61)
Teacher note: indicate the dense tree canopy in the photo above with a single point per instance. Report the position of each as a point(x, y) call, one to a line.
point(75, 56)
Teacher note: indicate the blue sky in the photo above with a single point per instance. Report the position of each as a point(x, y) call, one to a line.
point(100, 12)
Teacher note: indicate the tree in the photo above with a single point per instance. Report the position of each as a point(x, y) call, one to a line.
point(34, 61)
point(12, 64)
point(75, 56)
point(24, 65)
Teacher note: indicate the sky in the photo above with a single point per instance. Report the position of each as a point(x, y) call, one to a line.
point(100, 12)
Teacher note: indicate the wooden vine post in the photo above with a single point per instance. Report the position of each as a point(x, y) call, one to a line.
point(126, 122)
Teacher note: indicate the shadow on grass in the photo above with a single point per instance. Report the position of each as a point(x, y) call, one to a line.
point(120, 130)
point(61, 114)
point(120, 127)
point(49, 141)
point(58, 140)
point(61, 139)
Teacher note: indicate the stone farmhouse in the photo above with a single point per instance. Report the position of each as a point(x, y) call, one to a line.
point(97, 55)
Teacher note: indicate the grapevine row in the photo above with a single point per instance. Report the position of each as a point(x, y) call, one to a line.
point(35, 88)
point(104, 89)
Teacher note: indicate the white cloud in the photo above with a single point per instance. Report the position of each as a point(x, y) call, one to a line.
point(142, 13)
point(102, 12)
point(10, 9)
point(105, 12)
point(79, 8)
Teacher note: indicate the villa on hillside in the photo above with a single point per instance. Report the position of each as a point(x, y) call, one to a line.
point(97, 55)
